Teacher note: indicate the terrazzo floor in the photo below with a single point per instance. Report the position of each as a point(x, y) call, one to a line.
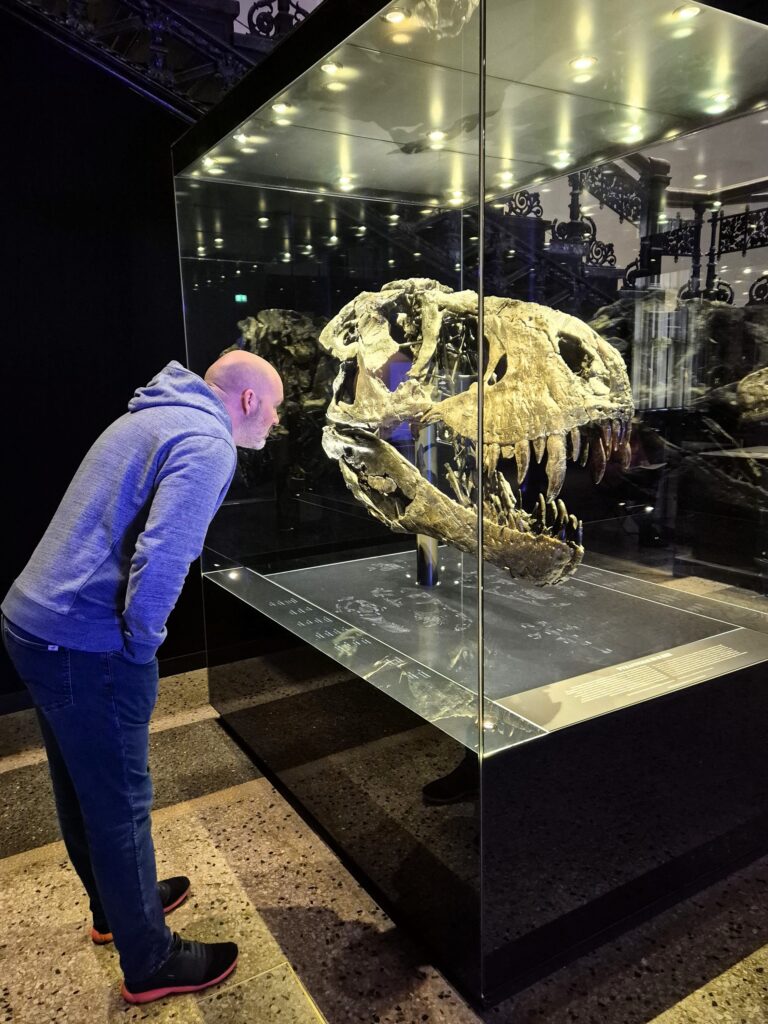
point(313, 944)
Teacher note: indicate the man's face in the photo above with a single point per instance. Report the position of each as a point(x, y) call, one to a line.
point(257, 427)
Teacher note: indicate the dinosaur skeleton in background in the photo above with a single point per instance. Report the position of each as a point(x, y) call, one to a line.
point(552, 388)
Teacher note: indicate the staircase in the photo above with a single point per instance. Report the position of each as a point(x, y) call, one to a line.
point(184, 56)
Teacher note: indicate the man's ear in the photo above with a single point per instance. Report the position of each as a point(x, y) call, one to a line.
point(249, 402)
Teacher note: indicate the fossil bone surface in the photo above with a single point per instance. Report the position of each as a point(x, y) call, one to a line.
point(553, 389)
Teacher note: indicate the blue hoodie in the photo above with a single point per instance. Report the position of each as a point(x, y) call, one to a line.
point(111, 564)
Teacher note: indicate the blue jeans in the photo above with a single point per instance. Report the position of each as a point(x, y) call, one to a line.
point(94, 711)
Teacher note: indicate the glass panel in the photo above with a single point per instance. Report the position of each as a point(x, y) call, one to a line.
point(323, 232)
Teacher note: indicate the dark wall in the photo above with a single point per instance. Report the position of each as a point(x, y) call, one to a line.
point(91, 301)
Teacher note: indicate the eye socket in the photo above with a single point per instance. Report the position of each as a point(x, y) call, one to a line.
point(573, 353)
point(347, 388)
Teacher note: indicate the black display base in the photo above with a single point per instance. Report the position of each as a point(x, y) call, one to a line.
point(576, 835)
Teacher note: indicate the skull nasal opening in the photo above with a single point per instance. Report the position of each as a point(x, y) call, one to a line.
point(573, 353)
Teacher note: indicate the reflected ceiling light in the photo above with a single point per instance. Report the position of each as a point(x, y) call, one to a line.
point(395, 16)
point(436, 135)
point(241, 137)
point(247, 150)
point(345, 180)
point(307, 250)
point(263, 221)
point(672, 133)
point(281, 108)
point(208, 161)
point(282, 121)
point(546, 190)
point(394, 218)
point(215, 170)
point(331, 67)
point(765, 121)
point(201, 250)
point(718, 103)
point(747, 270)
point(699, 177)
point(401, 38)
point(417, 254)
point(581, 79)
point(390, 263)
point(717, 204)
point(582, 63)
point(218, 241)
point(425, 211)
point(457, 266)
point(473, 238)
point(507, 176)
point(285, 257)
point(683, 32)
point(335, 87)
point(333, 239)
point(686, 11)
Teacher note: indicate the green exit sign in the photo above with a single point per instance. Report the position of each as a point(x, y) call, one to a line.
point(240, 297)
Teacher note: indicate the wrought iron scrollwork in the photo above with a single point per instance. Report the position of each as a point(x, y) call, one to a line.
point(581, 237)
point(758, 293)
point(614, 188)
point(632, 271)
point(741, 232)
point(681, 240)
point(271, 18)
point(524, 204)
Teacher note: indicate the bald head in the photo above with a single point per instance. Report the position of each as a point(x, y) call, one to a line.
point(251, 390)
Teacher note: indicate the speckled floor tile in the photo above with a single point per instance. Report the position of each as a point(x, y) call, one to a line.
point(271, 677)
point(186, 763)
point(181, 693)
point(277, 995)
point(694, 585)
point(19, 733)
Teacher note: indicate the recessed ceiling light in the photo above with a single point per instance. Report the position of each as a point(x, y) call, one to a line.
point(280, 108)
point(417, 254)
point(201, 250)
point(240, 137)
point(390, 263)
point(582, 63)
point(218, 241)
point(394, 218)
point(263, 221)
point(331, 67)
point(686, 11)
point(395, 16)
point(699, 177)
point(717, 203)
point(747, 270)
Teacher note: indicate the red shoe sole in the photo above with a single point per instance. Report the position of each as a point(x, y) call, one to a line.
point(104, 938)
point(178, 990)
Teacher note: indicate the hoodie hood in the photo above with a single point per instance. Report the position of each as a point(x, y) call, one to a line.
point(175, 385)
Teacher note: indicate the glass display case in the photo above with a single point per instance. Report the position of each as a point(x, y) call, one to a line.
point(511, 261)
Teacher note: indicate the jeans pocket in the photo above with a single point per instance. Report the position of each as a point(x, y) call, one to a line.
point(43, 668)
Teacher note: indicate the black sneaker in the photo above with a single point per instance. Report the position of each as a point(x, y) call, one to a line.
point(460, 784)
point(191, 967)
point(173, 892)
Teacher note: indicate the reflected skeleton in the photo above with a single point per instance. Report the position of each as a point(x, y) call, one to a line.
point(552, 388)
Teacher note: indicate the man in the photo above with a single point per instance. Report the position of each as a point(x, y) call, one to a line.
point(82, 624)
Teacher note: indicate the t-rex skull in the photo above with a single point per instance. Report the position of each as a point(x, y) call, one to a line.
point(551, 386)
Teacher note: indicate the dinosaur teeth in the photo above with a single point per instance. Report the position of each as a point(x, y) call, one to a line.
point(556, 464)
point(584, 457)
point(539, 445)
point(575, 436)
point(605, 433)
point(522, 458)
point(599, 460)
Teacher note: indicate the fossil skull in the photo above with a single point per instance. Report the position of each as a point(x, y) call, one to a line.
point(552, 389)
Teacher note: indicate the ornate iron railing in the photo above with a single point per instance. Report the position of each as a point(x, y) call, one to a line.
point(146, 42)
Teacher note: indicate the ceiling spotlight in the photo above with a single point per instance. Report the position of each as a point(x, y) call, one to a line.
point(390, 263)
point(280, 108)
point(417, 254)
point(218, 242)
point(263, 221)
point(699, 177)
point(335, 87)
point(394, 218)
point(507, 176)
point(333, 239)
point(686, 11)
point(345, 180)
point(201, 250)
point(331, 67)
point(395, 16)
point(582, 63)
point(241, 137)
point(286, 257)
point(717, 204)
point(436, 135)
